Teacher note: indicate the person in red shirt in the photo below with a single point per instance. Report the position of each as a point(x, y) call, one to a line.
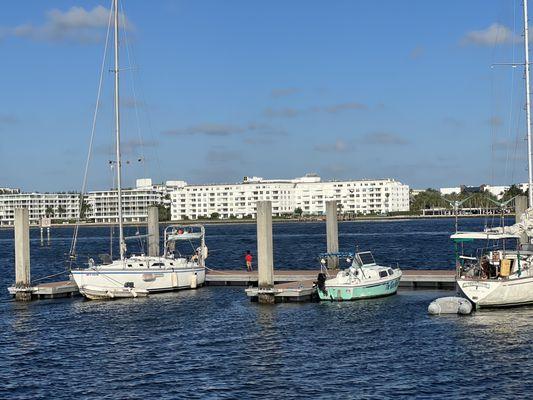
point(248, 259)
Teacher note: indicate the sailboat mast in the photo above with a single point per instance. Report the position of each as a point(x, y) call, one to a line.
point(528, 108)
point(122, 244)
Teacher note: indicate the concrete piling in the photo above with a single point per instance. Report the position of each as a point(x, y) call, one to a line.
point(153, 231)
point(520, 206)
point(332, 233)
point(22, 253)
point(265, 253)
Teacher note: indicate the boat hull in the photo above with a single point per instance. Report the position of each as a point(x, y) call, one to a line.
point(497, 293)
point(149, 280)
point(110, 293)
point(334, 292)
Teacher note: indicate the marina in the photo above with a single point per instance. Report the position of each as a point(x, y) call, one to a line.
point(167, 289)
point(411, 279)
point(223, 328)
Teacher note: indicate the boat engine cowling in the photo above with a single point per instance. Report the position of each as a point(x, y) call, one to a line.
point(321, 282)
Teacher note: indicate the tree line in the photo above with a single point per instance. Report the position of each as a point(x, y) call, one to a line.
point(432, 198)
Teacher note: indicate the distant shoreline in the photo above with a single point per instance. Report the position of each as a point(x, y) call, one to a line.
point(274, 220)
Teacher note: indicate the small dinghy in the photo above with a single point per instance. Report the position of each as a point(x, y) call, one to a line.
point(450, 305)
point(108, 293)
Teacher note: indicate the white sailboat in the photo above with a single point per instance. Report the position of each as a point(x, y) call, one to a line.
point(138, 275)
point(503, 276)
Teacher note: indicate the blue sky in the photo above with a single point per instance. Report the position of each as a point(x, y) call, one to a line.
point(223, 89)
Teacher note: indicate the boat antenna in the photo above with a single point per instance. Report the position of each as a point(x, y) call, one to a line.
point(122, 243)
point(456, 204)
point(528, 108)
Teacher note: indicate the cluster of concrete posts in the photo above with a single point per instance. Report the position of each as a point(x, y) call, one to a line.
point(266, 292)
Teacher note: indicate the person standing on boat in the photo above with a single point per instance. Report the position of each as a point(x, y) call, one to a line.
point(248, 258)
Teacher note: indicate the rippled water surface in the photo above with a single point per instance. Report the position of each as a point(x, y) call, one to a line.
point(214, 343)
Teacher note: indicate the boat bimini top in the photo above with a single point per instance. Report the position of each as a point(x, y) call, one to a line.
point(178, 233)
point(471, 236)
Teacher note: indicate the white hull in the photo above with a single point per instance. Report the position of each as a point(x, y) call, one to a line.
point(107, 293)
point(121, 278)
point(498, 293)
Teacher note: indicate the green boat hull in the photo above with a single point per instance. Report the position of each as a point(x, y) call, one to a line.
point(346, 292)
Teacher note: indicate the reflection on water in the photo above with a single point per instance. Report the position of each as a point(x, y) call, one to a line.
point(213, 342)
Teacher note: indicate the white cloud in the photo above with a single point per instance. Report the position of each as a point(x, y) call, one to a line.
point(493, 35)
point(282, 92)
point(343, 107)
point(207, 129)
point(74, 25)
point(339, 146)
point(223, 129)
point(383, 138)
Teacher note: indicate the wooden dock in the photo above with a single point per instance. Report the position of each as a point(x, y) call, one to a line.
point(52, 290)
point(49, 290)
point(290, 285)
point(287, 292)
point(413, 279)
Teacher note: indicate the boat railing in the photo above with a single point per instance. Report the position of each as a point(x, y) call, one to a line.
point(186, 233)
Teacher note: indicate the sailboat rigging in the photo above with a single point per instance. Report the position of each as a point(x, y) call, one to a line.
point(502, 276)
point(137, 275)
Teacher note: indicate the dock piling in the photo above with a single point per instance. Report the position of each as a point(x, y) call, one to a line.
point(520, 209)
point(22, 253)
point(153, 231)
point(265, 254)
point(332, 233)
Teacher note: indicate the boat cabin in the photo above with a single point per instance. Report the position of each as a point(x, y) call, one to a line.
point(500, 257)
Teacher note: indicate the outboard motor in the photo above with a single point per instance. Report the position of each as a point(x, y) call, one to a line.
point(321, 282)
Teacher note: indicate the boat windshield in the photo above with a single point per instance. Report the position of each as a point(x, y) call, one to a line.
point(365, 258)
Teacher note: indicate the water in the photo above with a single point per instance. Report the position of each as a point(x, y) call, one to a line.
point(214, 343)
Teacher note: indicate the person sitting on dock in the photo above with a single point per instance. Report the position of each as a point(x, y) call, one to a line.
point(248, 258)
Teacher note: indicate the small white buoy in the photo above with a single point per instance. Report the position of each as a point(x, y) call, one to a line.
point(450, 305)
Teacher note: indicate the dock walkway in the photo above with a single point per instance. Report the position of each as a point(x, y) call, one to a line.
point(431, 279)
point(289, 282)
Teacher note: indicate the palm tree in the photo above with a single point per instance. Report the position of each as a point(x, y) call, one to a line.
point(61, 211)
point(49, 211)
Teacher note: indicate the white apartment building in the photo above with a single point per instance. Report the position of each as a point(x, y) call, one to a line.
point(237, 200)
point(135, 202)
point(308, 193)
point(6, 190)
point(103, 205)
point(62, 206)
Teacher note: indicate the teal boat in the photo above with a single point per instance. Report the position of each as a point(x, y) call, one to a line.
point(362, 280)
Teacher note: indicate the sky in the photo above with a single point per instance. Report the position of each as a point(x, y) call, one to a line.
point(212, 91)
